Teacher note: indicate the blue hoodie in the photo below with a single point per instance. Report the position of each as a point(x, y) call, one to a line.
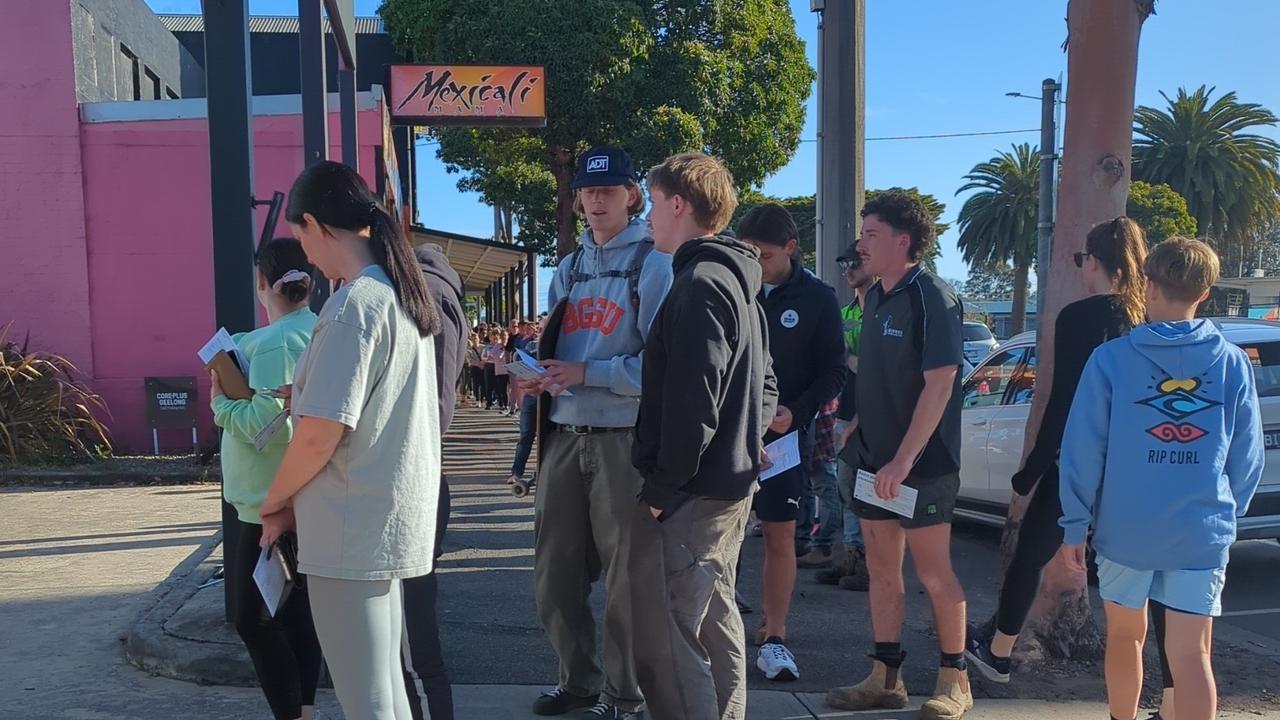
point(1163, 448)
point(604, 328)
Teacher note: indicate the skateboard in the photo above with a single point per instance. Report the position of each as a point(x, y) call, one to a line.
point(521, 488)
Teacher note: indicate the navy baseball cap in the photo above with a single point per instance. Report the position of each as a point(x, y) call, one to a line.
point(602, 166)
point(851, 254)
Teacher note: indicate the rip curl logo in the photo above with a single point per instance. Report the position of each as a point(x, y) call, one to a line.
point(599, 163)
point(889, 329)
point(1178, 399)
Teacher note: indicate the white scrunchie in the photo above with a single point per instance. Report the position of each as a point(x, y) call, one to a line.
point(291, 276)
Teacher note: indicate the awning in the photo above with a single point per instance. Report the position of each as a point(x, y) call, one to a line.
point(480, 262)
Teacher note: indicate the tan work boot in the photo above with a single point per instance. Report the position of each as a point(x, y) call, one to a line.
point(952, 698)
point(858, 578)
point(883, 689)
point(841, 567)
point(815, 558)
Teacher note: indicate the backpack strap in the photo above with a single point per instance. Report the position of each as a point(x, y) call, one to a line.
point(632, 273)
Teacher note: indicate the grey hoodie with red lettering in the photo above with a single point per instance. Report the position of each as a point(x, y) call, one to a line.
point(606, 322)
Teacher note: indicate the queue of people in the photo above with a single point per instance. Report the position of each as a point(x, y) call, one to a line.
point(674, 352)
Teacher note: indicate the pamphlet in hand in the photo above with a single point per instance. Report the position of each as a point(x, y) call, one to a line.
point(864, 489)
point(221, 354)
point(526, 367)
point(784, 454)
point(272, 581)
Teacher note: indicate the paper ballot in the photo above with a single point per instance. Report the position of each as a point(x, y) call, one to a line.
point(526, 367)
point(269, 431)
point(221, 341)
point(864, 489)
point(784, 453)
point(271, 580)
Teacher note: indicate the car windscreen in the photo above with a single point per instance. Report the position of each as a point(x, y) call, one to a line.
point(975, 333)
point(1265, 357)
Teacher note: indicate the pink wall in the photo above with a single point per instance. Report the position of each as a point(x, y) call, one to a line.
point(150, 249)
point(44, 288)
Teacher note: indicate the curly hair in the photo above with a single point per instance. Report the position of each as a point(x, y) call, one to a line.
point(905, 214)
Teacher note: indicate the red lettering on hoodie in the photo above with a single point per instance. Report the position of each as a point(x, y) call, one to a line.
point(592, 314)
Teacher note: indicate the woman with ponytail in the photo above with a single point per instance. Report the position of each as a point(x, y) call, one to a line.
point(283, 647)
point(361, 478)
point(1111, 263)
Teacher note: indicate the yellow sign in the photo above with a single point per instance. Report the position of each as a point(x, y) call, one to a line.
point(468, 95)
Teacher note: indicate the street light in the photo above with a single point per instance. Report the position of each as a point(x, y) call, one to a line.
point(1048, 138)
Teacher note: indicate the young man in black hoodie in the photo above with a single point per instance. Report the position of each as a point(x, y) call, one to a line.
point(707, 398)
point(807, 351)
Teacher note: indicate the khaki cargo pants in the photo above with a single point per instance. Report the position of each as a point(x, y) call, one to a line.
point(689, 641)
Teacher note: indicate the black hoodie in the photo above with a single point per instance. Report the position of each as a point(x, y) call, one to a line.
point(708, 393)
point(445, 287)
point(806, 343)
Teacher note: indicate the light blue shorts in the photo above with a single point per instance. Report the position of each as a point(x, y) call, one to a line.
point(1197, 592)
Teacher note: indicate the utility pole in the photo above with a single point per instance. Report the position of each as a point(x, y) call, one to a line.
point(841, 132)
point(1048, 177)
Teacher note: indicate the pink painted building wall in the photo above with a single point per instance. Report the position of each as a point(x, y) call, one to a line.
point(108, 253)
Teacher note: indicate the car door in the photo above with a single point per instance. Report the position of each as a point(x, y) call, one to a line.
point(983, 397)
point(1008, 430)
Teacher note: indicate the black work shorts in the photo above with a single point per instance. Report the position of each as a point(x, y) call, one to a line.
point(935, 503)
point(778, 499)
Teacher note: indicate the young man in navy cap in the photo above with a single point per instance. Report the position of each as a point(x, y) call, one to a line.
point(605, 294)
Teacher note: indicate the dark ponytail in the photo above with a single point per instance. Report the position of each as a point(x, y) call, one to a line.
point(277, 258)
point(338, 197)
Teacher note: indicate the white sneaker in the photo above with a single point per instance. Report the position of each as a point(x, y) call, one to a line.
point(777, 662)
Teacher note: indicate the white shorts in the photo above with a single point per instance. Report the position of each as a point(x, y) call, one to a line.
point(1196, 592)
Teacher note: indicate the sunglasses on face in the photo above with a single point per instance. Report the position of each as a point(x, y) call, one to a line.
point(848, 264)
point(1079, 258)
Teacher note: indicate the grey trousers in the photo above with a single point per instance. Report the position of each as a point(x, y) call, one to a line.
point(360, 626)
point(587, 493)
point(690, 643)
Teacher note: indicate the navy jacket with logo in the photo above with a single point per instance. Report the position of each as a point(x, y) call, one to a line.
point(806, 343)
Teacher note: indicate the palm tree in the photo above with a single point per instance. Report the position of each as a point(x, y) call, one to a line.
point(1203, 150)
point(998, 223)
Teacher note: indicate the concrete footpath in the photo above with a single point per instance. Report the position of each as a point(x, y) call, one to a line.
point(92, 577)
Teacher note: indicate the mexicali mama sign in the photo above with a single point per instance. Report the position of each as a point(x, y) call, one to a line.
point(468, 95)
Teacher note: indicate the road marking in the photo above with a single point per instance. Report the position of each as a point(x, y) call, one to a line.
point(1242, 613)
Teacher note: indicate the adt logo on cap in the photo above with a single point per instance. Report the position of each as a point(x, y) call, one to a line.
point(599, 163)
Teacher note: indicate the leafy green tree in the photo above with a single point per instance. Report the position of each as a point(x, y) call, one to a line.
point(1206, 151)
point(989, 282)
point(1160, 211)
point(998, 223)
point(721, 76)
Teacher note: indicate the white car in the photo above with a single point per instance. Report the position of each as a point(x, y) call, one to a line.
point(978, 341)
point(997, 401)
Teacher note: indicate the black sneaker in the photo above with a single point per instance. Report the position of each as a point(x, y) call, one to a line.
point(993, 668)
point(611, 712)
point(559, 701)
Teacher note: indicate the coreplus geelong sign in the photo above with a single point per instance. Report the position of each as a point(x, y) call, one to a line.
point(468, 95)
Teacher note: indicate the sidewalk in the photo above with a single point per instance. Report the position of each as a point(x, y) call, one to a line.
point(87, 575)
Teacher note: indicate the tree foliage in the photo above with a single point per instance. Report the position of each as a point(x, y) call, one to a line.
point(988, 282)
point(998, 223)
point(1160, 211)
point(723, 76)
point(1204, 149)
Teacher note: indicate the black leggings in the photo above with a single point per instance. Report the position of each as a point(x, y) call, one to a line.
point(498, 391)
point(489, 381)
point(284, 648)
point(477, 383)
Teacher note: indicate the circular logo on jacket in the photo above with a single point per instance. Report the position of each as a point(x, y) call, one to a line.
point(790, 318)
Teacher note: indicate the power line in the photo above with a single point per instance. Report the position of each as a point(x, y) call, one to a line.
point(944, 135)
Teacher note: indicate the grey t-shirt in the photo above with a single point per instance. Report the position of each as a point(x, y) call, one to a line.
point(370, 514)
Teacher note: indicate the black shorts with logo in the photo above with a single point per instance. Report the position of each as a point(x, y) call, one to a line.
point(935, 503)
point(778, 499)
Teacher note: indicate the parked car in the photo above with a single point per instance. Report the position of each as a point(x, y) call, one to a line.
point(978, 341)
point(997, 401)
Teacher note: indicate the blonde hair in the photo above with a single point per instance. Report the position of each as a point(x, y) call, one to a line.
point(704, 182)
point(1183, 268)
point(634, 208)
point(1121, 247)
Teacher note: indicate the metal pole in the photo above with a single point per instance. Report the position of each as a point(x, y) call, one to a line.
point(531, 270)
point(1048, 177)
point(347, 100)
point(230, 96)
point(315, 91)
point(842, 111)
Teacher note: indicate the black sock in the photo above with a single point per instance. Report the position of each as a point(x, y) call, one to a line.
point(954, 660)
point(890, 654)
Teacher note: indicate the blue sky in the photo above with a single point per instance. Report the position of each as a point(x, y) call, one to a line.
point(939, 66)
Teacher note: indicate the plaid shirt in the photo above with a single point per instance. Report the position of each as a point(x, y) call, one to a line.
point(824, 436)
